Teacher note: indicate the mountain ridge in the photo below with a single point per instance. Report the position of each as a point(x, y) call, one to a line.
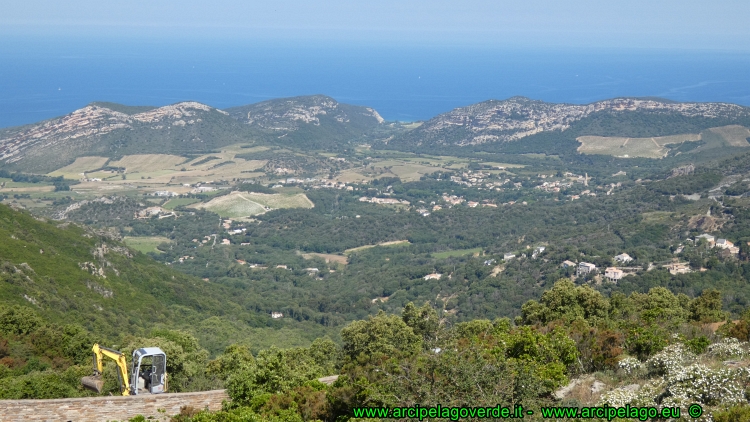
point(319, 122)
point(502, 121)
point(98, 130)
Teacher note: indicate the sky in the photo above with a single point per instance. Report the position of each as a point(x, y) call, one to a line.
point(671, 24)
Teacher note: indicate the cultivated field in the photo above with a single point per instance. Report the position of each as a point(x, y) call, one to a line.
point(277, 200)
point(80, 165)
point(246, 204)
point(734, 135)
point(232, 206)
point(632, 147)
point(148, 163)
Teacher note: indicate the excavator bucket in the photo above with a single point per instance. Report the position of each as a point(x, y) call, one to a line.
point(94, 383)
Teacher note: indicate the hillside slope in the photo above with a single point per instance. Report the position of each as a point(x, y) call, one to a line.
point(114, 130)
point(315, 121)
point(69, 274)
point(493, 124)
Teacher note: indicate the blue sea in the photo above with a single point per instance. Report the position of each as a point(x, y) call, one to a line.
point(42, 78)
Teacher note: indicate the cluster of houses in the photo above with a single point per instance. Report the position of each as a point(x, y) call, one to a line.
point(384, 201)
point(476, 179)
point(612, 274)
point(453, 199)
point(587, 192)
point(508, 256)
point(555, 186)
point(152, 211)
point(315, 183)
point(165, 193)
point(723, 244)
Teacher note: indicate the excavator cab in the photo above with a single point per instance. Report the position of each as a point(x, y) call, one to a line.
point(149, 372)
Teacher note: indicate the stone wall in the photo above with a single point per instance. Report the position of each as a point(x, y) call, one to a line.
point(159, 406)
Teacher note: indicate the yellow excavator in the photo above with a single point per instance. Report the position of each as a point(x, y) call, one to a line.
point(148, 372)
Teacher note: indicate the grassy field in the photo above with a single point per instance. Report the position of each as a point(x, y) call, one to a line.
point(245, 204)
point(632, 147)
point(79, 166)
point(457, 252)
point(391, 243)
point(657, 216)
point(338, 259)
point(8, 183)
point(177, 202)
point(232, 206)
point(278, 200)
point(145, 244)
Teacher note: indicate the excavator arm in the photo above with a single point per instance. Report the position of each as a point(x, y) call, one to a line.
point(95, 382)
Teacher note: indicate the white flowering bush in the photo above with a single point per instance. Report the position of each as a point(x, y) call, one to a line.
point(698, 383)
point(728, 348)
point(618, 397)
point(673, 357)
point(630, 365)
point(644, 396)
point(678, 380)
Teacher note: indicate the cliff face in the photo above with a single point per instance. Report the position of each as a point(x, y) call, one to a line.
point(519, 117)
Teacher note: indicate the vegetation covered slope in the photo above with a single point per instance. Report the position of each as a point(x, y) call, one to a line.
point(113, 130)
point(310, 122)
point(519, 124)
point(571, 349)
point(69, 274)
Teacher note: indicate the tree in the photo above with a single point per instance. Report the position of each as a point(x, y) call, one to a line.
point(423, 320)
point(381, 334)
point(707, 307)
point(566, 302)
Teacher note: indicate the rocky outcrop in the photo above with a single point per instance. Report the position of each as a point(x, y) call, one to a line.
point(290, 114)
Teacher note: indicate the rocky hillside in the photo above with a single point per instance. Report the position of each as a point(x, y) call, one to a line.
point(113, 130)
point(518, 117)
point(315, 121)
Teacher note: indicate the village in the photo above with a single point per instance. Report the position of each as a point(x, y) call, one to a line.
point(620, 267)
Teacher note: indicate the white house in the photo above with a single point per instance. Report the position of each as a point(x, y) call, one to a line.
point(613, 274)
point(709, 239)
point(724, 244)
point(568, 264)
point(623, 257)
point(585, 268)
